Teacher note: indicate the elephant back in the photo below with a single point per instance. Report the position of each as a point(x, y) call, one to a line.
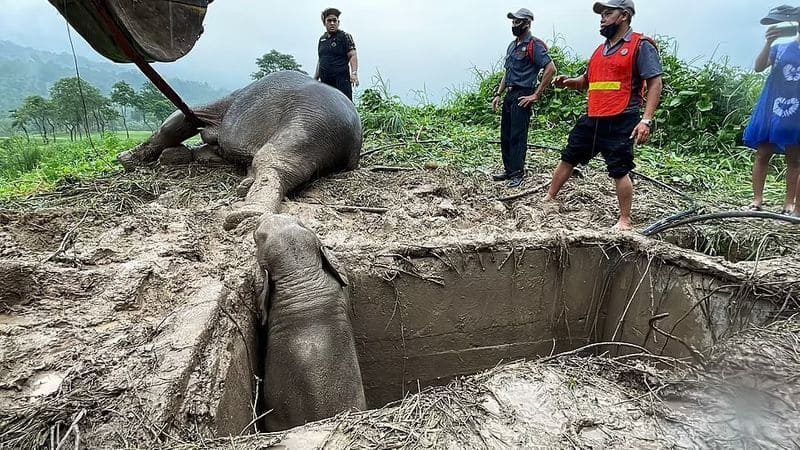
point(291, 106)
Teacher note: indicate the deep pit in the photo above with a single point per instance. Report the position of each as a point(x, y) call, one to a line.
point(425, 315)
point(147, 307)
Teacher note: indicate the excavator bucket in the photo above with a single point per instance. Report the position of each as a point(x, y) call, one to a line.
point(158, 30)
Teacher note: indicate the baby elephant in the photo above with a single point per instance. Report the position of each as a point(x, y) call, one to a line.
point(311, 367)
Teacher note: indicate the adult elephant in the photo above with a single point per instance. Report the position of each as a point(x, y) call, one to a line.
point(288, 128)
point(311, 369)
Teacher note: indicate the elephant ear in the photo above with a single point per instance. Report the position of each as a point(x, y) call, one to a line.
point(333, 266)
point(263, 299)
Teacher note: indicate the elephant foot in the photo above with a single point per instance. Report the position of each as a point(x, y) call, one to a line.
point(235, 218)
point(174, 156)
point(208, 155)
point(128, 160)
point(139, 156)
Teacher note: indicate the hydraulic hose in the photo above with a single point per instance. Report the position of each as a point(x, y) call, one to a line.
point(652, 230)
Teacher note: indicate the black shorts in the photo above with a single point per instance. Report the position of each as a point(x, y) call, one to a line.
point(609, 136)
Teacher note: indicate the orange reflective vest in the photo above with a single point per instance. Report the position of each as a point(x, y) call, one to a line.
point(611, 78)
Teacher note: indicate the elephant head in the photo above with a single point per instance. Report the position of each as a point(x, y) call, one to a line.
point(286, 248)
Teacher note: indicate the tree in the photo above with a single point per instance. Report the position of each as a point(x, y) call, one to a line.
point(125, 96)
point(273, 62)
point(69, 97)
point(38, 110)
point(150, 101)
point(18, 120)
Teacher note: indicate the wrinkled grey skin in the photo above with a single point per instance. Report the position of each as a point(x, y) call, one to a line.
point(311, 367)
point(288, 128)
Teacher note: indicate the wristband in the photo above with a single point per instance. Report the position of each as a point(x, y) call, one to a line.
point(648, 122)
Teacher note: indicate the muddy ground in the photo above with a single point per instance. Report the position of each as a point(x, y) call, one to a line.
point(120, 297)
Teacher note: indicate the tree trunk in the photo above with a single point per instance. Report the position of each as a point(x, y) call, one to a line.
point(125, 124)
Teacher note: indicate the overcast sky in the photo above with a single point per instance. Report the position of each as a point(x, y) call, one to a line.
point(415, 44)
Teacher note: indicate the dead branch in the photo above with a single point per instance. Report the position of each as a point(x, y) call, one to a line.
point(696, 355)
point(390, 169)
point(68, 239)
point(523, 193)
point(73, 427)
point(596, 344)
point(367, 209)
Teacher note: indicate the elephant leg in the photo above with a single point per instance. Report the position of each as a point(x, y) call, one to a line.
point(208, 155)
point(175, 156)
point(266, 188)
point(176, 129)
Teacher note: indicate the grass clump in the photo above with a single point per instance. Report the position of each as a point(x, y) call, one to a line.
point(29, 167)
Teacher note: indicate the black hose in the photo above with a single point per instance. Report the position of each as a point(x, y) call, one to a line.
point(651, 230)
point(670, 219)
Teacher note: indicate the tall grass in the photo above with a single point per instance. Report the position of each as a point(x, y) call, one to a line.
point(26, 167)
point(696, 143)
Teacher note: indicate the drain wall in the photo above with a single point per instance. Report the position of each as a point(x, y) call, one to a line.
point(476, 310)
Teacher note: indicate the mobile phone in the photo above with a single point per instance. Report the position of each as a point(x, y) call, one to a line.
point(787, 31)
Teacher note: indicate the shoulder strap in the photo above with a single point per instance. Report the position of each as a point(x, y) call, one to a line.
point(532, 48)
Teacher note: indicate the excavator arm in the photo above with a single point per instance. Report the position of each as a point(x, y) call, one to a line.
point(141, 32)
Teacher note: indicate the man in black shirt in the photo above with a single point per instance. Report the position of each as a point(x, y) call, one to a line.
point(338, 62)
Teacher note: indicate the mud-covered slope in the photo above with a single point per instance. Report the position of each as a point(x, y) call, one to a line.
point(125, 308)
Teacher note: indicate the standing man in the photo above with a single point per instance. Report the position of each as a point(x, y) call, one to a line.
point(618, 71)
point(526, 56)
point(338, 62)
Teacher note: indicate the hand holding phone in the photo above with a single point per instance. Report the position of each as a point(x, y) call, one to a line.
point(774, 32)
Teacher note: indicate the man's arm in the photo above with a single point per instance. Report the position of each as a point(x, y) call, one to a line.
point(352, 58)
point(498, 94)
point(547, 79)
point(642, 131)
point(763, 59)
point(316, 72)
point(576, 83)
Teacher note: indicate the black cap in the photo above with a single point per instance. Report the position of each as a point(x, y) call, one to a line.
point(615, 4)
point(522, 13)
point(783, 13)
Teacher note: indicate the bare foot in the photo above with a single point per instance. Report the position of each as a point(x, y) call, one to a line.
point(622, 225)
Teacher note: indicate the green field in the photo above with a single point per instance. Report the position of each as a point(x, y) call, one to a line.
point(30, 167)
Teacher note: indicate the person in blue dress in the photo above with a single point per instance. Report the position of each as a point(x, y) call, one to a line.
point(775, 124)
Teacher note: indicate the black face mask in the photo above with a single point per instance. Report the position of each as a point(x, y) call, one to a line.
point(519, 30)
point(609, 31)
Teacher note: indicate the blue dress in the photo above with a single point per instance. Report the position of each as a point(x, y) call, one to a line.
point(776, 119)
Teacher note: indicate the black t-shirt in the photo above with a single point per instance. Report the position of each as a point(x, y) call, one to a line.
point(332, 50)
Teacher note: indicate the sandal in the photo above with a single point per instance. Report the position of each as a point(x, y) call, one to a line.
point(752, 207)
point(787, 212)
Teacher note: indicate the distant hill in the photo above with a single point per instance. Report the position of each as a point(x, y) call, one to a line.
point(26, 71)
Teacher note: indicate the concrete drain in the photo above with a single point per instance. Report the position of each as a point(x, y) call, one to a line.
point(424, 315)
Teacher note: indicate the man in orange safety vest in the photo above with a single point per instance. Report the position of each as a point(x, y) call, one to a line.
point(616, 78)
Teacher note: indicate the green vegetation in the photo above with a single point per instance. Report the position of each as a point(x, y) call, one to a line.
point(695, 147)
point(275, 61)
point(27, 167)
point(77, 108)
